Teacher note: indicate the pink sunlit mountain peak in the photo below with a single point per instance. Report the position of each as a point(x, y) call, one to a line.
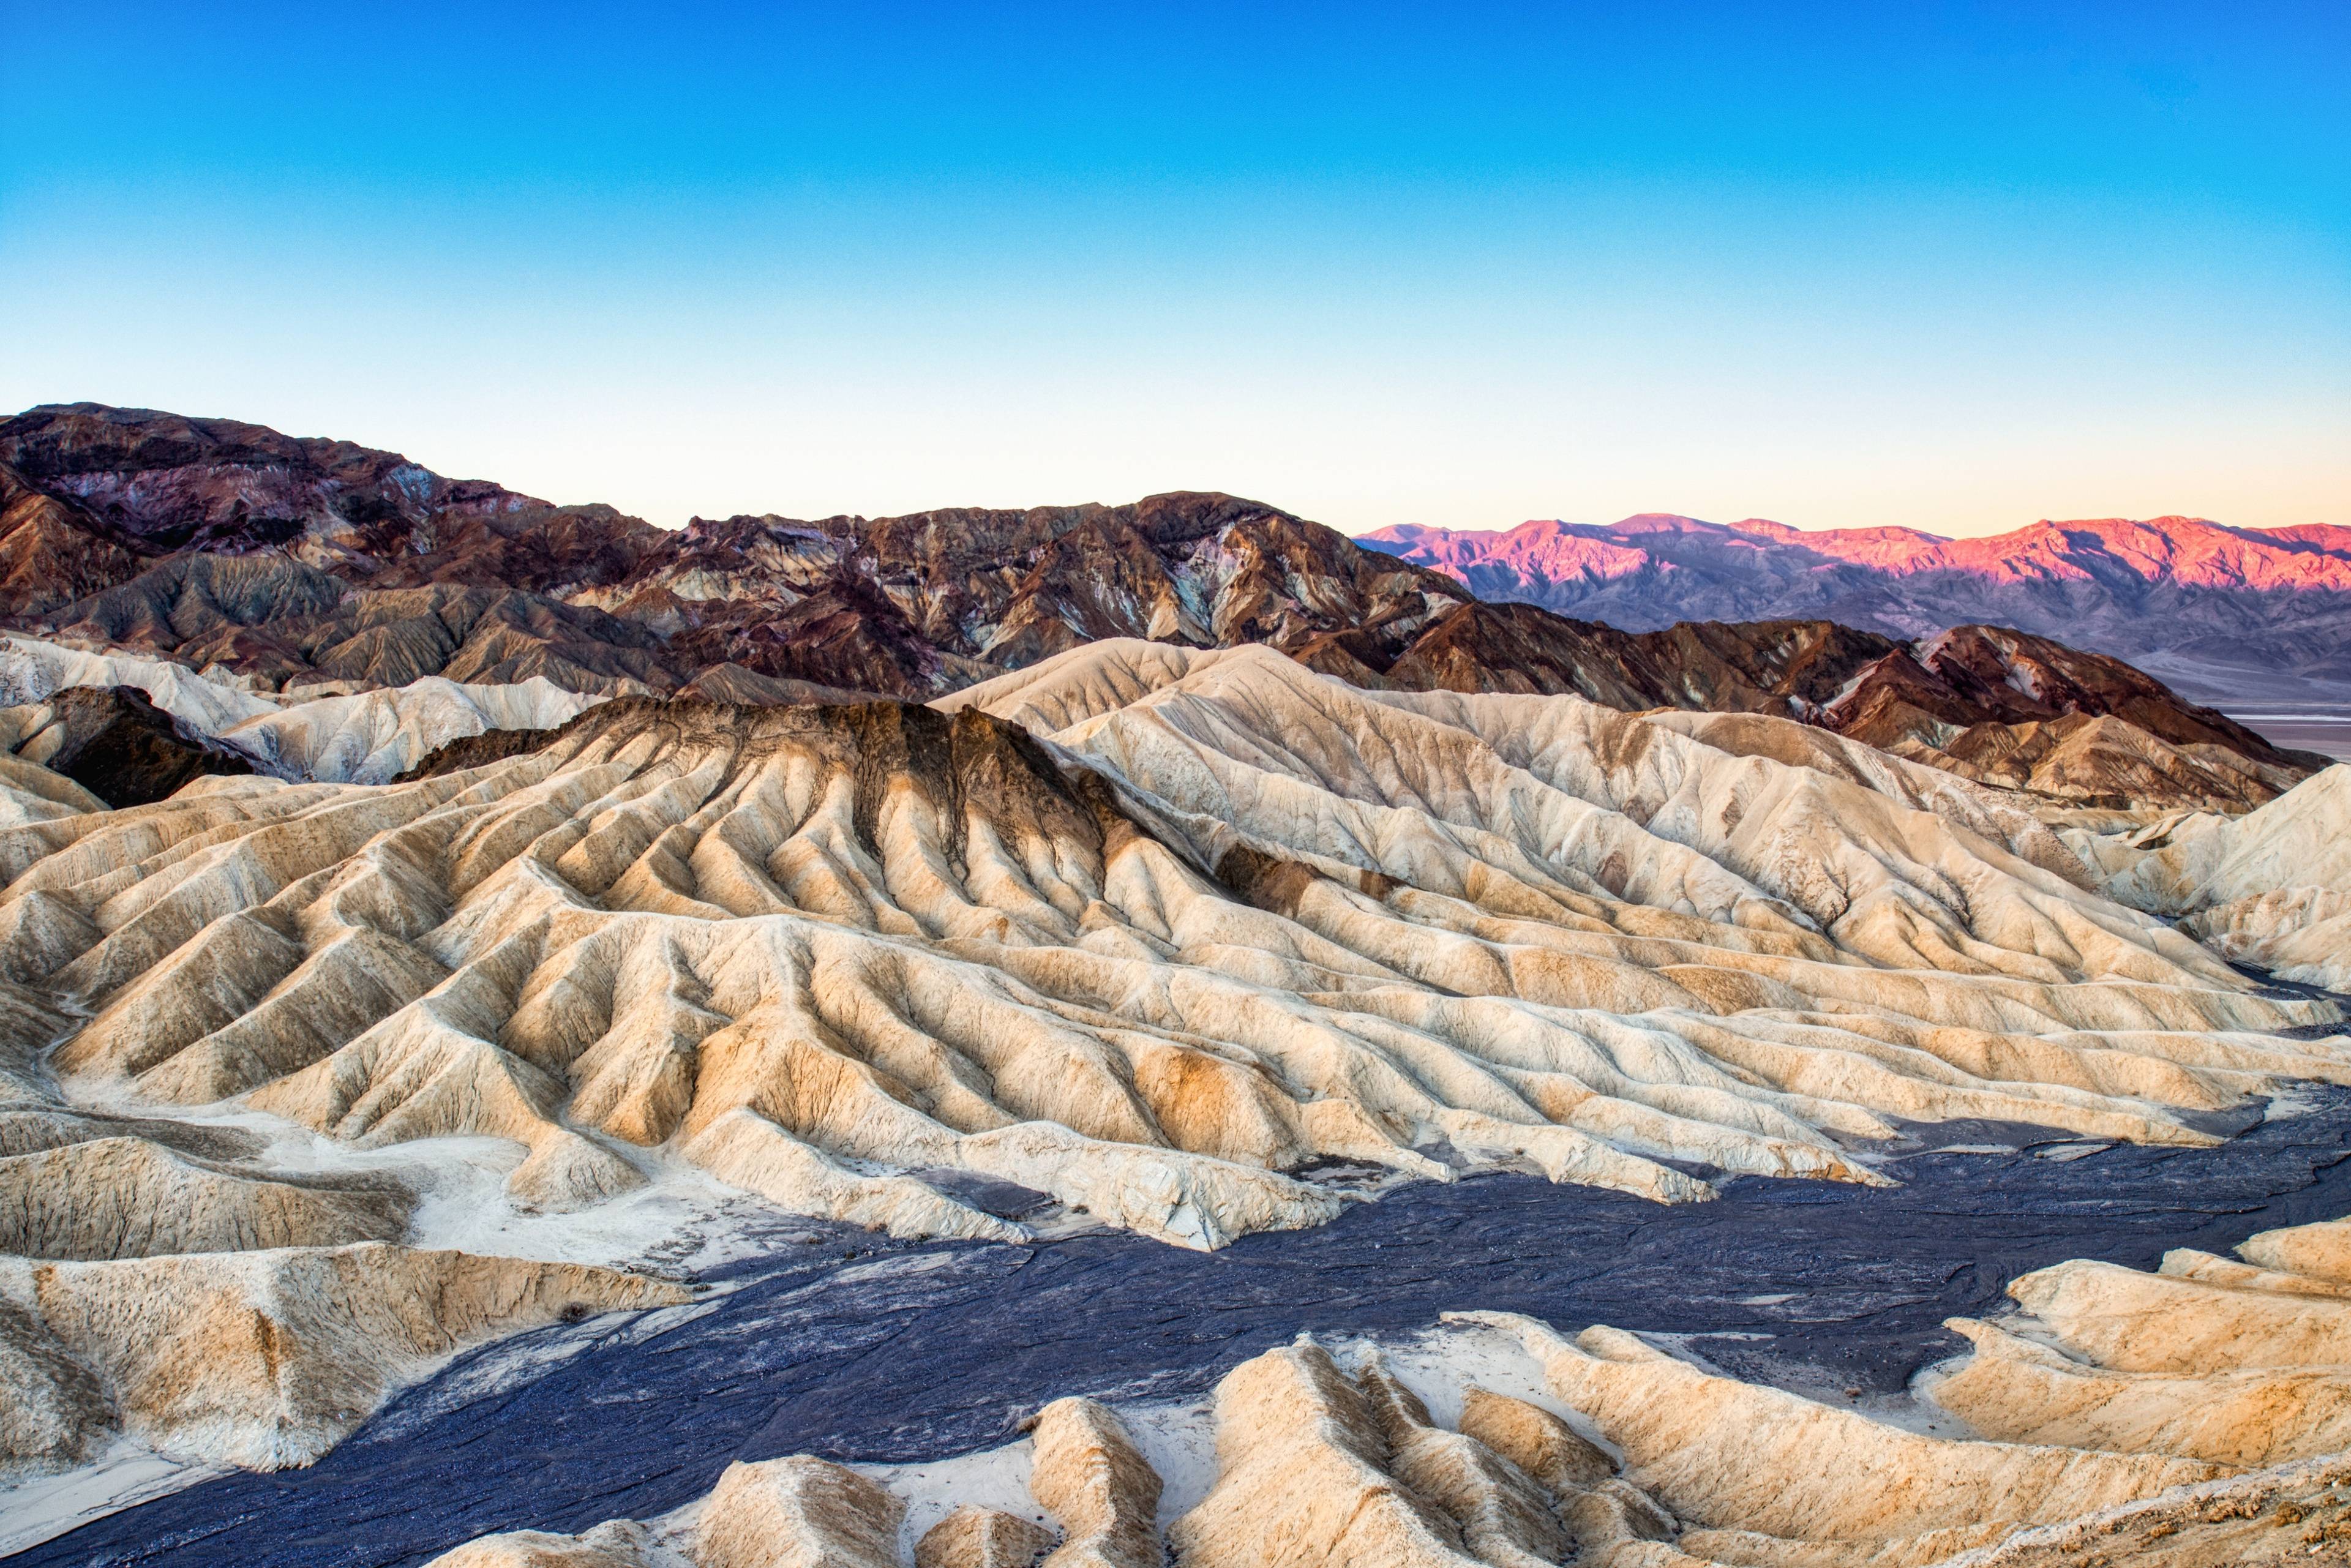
point(2188, 591)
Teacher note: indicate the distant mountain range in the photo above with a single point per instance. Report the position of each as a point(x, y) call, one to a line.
point(299, 562)
point(2219, 610)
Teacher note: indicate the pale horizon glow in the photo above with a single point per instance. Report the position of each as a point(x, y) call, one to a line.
point(1956, 274)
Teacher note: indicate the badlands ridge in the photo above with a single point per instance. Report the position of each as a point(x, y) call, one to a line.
point(1163, 937)
point(2271, 888)
point(184, 723)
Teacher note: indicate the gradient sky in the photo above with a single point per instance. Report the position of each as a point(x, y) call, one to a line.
point(1952, 266)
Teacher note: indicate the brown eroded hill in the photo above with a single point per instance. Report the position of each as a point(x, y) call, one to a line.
point(170, 482)
point(296, 558)
point(53, 552)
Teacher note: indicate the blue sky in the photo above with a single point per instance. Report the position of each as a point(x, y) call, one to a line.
point(1951, 266)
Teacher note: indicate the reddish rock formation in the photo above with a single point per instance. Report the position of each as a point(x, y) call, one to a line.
point(296, 558)
point(51, 551)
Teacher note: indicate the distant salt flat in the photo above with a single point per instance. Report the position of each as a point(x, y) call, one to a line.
point(2326, 731)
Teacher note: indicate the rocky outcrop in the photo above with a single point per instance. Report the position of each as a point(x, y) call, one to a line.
point(797, 1513)
point(262, 1358)
point(31, 793)
point(1008, 588)
point(2191, 1416)
point(171, 484)
point(165, 724)
point(1974, 675)
point(116, 744)
point(915, 605)
point(977, 1537)
point(735, 683)
point(621, 1544)
point(166, 1281)
point(283, 624)
point(843, 634)
point(291, 558)
point(2020, 711)
point(470, 751)
point(53, 552)
point(1085, 1470)
point(132, 1197)
point(1783, 667)
point(176, 604)
point(373, 737)
point(32, 671)
point(1309, 1471)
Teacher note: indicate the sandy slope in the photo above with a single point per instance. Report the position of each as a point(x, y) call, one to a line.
point(2271, 887)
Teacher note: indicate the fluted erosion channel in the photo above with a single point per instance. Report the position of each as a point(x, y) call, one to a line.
point(842, 1343)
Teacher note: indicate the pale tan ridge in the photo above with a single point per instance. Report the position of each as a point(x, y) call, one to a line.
point(2063, 1460)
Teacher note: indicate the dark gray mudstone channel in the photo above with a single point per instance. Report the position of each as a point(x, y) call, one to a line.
point(909, 1352)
